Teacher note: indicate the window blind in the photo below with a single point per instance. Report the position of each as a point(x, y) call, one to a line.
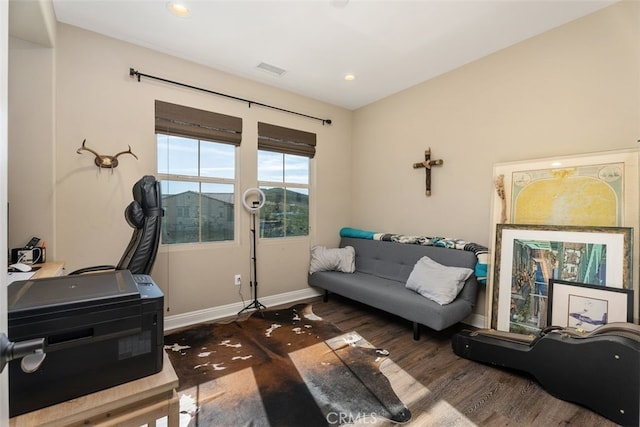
point(286, 140)
point(178, 120)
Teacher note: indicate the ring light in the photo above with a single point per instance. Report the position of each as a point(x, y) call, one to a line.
point(261, 199)
point(253, 208)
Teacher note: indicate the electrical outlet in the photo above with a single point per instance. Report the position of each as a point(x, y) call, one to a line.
point(237, 280)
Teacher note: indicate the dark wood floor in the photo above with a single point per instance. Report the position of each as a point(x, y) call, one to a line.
point(460, 391)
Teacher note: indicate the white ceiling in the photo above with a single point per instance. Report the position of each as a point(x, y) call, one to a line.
point(389, 45)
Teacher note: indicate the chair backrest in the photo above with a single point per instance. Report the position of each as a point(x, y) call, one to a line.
point(144, 214)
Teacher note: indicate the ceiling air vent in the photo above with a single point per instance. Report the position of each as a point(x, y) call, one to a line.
point(272, 69)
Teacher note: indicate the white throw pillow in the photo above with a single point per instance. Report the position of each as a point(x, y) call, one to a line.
point(437, 282)
point(337, 259)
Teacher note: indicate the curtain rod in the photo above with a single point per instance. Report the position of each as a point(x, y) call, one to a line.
point(138, 75)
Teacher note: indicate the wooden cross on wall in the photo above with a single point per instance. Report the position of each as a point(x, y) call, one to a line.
point(427, 166)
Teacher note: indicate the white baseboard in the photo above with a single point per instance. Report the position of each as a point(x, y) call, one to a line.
point(475, 319)
point(230, 310)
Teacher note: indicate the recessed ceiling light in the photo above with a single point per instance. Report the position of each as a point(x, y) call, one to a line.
point(178, 9)
point(349, 77)
point(556, 164)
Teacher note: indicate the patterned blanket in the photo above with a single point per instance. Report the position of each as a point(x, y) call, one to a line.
point(481, 252)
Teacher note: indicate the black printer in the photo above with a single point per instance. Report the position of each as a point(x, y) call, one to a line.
point(100, 330)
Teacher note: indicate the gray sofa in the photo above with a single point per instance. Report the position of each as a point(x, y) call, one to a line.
point(381, 271)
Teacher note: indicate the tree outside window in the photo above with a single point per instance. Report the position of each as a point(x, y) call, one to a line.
point(284, 178)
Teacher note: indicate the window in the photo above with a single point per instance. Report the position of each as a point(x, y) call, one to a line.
point(197, 171)
point(284, 156)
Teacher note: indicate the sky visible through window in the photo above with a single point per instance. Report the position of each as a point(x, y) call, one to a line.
point(179, 156)
point(276, 167)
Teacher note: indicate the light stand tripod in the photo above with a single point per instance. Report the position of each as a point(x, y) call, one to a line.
point(255, 207)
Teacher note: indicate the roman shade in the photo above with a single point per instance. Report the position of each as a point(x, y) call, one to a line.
point(178, 120)
point(286, 140)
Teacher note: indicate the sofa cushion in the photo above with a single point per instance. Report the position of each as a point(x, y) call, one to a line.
point(392, 297)
point(336, 259)
point(437, 282)
point(382, 270)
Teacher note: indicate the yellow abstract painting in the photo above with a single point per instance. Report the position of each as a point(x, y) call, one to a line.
point(583, 195)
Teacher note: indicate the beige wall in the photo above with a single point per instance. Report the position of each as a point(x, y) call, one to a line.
point(96, 99)
point(575, 89)
point(572, 90)
point(31, 146)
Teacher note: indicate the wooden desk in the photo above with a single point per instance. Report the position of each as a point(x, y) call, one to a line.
point(49, 269)
point(135, 403)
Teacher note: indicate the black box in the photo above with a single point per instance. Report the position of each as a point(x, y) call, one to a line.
point(100, 330)
point(30, 256)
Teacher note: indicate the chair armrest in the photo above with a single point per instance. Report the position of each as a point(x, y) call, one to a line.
point(92, 269)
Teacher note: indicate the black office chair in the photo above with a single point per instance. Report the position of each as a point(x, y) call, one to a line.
point(144, 214)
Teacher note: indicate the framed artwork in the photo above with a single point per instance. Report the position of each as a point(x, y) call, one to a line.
point(589, 190)
point(599, 189)
point(585, 306)
point(527, 256)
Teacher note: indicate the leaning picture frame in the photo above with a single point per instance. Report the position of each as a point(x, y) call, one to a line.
point(585, 306)
point(560, 190)
point(527, 256)
point(594, 189)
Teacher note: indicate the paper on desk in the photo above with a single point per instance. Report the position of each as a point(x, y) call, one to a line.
point(14, 276)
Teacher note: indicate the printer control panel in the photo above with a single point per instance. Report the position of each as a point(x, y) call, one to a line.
point(147, 287)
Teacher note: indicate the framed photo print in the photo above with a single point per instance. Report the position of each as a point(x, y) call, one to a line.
point(528, 256)
point(585, 306)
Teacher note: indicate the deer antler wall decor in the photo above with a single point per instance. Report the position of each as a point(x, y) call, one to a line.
point(103, 161)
